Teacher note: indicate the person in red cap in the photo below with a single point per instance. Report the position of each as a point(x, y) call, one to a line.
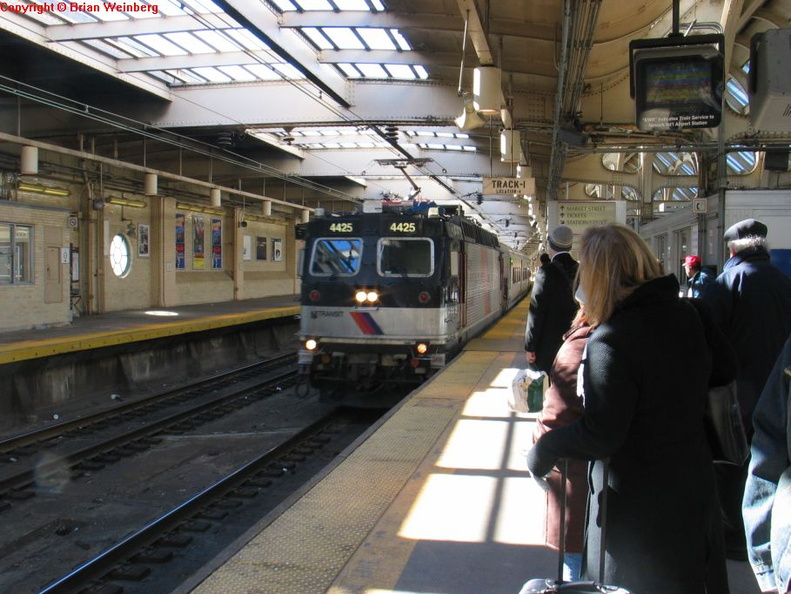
point(699, 277)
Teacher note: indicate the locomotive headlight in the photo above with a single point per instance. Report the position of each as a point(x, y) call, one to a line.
point(311, 344)
point(421, 348)
point(363, 296)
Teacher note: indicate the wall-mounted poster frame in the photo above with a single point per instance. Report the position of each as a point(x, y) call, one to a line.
point(260, 248)
point(247, 247)
point(216, 244)
point(198, 243)
point(180, 241)
point(277, 250)
point(143, 240)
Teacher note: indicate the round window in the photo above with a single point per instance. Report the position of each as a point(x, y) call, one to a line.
point(119, 255)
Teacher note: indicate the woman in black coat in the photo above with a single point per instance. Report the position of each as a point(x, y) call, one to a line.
point(646, 376)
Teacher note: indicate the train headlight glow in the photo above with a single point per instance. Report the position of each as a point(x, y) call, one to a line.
point(421, 348)
point(363, 296)
point(311, 344)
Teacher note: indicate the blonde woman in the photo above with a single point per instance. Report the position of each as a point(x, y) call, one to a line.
point(646, 376)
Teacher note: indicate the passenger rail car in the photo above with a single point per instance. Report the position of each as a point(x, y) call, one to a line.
point(391, 293)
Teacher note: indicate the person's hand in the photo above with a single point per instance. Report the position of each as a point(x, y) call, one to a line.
point(530, 356)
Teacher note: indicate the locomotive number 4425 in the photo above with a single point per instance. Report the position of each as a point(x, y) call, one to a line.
point(402, 227)
point(342, 227)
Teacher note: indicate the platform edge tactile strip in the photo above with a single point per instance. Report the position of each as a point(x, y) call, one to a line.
point(303, 550)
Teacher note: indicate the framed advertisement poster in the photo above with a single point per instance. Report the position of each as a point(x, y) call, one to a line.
point(277, 250)
point(180, 242)
point(216, 244)
point(143, 245)
point(260, 248)
point(198, 250)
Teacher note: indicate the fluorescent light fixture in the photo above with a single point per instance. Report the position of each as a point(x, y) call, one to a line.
point(126, 202)
point(48, 190)
point(198, 208)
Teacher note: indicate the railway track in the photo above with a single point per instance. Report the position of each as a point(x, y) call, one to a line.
point(91, 441)
point(130, 564)
point(193, 466)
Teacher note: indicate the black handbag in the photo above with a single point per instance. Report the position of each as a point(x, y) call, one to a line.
point(724, 426)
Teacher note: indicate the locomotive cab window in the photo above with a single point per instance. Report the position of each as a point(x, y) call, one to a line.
point(405, 257)
point(336, 257)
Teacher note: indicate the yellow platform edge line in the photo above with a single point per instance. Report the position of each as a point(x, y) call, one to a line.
point(32, 349)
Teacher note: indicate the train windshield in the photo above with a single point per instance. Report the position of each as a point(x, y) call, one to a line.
point(405, 257)
point(336, 257)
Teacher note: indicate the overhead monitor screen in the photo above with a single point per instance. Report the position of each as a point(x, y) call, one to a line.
point(678, 88)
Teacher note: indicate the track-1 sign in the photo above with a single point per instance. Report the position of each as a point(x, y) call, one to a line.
point(508, 185)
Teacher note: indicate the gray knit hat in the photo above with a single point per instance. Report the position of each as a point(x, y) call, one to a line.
point(561, 238)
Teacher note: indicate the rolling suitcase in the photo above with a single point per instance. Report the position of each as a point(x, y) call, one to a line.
point(550, 586)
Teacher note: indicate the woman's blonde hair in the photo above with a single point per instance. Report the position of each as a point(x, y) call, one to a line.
point(614, 261)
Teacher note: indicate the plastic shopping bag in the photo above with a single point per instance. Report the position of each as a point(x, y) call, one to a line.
point(527, 391)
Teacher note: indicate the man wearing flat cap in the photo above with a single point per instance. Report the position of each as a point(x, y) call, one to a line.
point(751, 301)
point(552, 304)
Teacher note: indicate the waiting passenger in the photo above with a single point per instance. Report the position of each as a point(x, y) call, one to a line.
point(552, 305)
point(644, 412)
point(699, 277)
point(563, 404)
point(767, 496)
point(751, 301)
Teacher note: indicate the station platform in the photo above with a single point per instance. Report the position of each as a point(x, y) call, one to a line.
point(435, 499)
point(119, 328)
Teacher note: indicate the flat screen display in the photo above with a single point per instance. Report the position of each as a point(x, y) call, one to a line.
point(678, 89)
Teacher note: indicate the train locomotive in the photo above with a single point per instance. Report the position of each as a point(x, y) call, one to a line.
point(390, 293)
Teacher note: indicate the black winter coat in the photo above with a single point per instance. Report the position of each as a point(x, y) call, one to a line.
point(552, 309)
point(646, 377)
point(751, 301)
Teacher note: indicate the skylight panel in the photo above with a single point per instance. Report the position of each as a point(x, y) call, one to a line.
point(314, 5)
point(137, 49)
point(109, 49)
point(421, 72)
point(77, 16)
point(400, 71)
point(403, 44)
point(372, 70)
point(343, 37)
point(186, 77)
point(190, 42)
point(246, 39)
point(377, 39)
point(45, 18)
point(211, 74)
point(105, 15)
point(284, 5)
point(352, 5)
point(218, 41)
point(378, 5)
point(349, 70)
point(238, 73)
point(317, 37)
point(202, 6)
point(263, 72)
point(288, 71)
point(160, 44)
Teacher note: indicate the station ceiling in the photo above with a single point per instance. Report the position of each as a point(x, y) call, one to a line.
point(322, 103)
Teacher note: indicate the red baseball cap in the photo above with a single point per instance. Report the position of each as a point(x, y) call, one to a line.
point(692, 261)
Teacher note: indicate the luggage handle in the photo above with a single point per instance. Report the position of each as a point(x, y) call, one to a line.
point(603, 513)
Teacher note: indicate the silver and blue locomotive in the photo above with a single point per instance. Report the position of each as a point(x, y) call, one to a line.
point(389, 294)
